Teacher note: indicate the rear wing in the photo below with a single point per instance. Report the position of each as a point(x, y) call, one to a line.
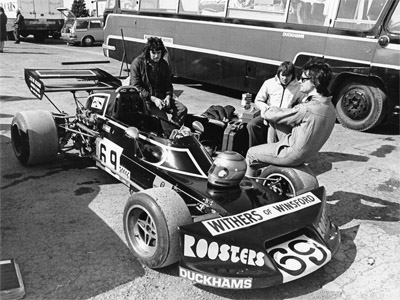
point(41, 81)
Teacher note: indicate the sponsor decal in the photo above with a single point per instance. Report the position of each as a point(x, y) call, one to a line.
point(124, 172)
point(106, 128)
point(166, 40)
point(10, 6)
point(159, 182)
point(97, 102)
point(216, 281)
point(299, 257)
point(260, 214)
point(224, 252)
point(109, 154)
point(293, 35)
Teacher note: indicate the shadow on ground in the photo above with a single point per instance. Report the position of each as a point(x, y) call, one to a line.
point(322, 161)
point(49, 225)
point(347, 206)
point(15, 98)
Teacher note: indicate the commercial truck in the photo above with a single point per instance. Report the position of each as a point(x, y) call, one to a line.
point(41, 17)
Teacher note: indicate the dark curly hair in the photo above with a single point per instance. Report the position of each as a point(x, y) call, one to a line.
point(320, 74)
point(154, 44)
point(287, 68)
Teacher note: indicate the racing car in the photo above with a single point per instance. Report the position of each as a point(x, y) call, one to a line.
point(187, 203)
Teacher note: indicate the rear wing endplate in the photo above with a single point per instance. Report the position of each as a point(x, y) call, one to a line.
point(41, 81)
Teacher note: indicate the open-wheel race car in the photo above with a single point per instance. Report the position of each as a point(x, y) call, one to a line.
point(187, 203)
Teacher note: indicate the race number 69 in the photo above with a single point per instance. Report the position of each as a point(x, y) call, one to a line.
point(299, 257)
point(108, 153)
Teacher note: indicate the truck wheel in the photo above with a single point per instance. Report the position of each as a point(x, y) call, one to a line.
point(151, 220)
point(34, 137)
point(87, 41)
point(361, 104)
point(288, 181)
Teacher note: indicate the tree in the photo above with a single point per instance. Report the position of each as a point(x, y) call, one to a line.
point(79, 8)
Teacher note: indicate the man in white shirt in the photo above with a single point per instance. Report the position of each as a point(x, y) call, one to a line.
point(283, 90)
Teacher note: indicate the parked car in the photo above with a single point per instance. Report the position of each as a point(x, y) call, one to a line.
point(84, 31)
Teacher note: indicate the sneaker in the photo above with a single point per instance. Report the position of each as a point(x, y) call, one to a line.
point(1, 51)
point(17, 42)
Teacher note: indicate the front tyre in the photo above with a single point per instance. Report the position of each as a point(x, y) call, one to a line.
point(361, 104)
point(288, 181)
point(151, 220)
point(34, 137)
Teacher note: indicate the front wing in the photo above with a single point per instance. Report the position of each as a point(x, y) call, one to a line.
point(267, 245)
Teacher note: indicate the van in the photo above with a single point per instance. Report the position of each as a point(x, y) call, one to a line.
point(84, 31)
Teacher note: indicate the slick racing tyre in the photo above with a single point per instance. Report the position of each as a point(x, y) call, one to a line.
point(34, 137)
point(151, 220)
point(288, 181)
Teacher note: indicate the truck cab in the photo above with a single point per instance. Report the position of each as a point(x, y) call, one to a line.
point(42, 19)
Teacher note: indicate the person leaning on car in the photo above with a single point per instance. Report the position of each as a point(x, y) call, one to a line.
point(283, 90)
point(151, 75)
point(303, 129)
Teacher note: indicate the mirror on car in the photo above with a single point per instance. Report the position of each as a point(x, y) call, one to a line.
point(132, 133)
point(198, 127)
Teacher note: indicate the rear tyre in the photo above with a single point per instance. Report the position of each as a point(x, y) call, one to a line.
point(288, 181)
point(151, 220)
point(361, 104)
point(34, 137)
point(87, 41)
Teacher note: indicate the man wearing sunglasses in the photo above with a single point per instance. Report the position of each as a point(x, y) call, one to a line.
point(151, 75)
point(303, 129)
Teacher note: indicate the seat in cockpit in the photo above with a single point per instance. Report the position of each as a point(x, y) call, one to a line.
point(130, 108)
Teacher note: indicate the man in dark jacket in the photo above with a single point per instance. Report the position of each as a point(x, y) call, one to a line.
point(18, 24)
point(3, 28)
point(151, 75)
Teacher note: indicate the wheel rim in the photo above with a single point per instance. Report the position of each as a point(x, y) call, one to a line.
point(280, 184)
point(87, 41)
point(142, 231)
point(356, 104)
